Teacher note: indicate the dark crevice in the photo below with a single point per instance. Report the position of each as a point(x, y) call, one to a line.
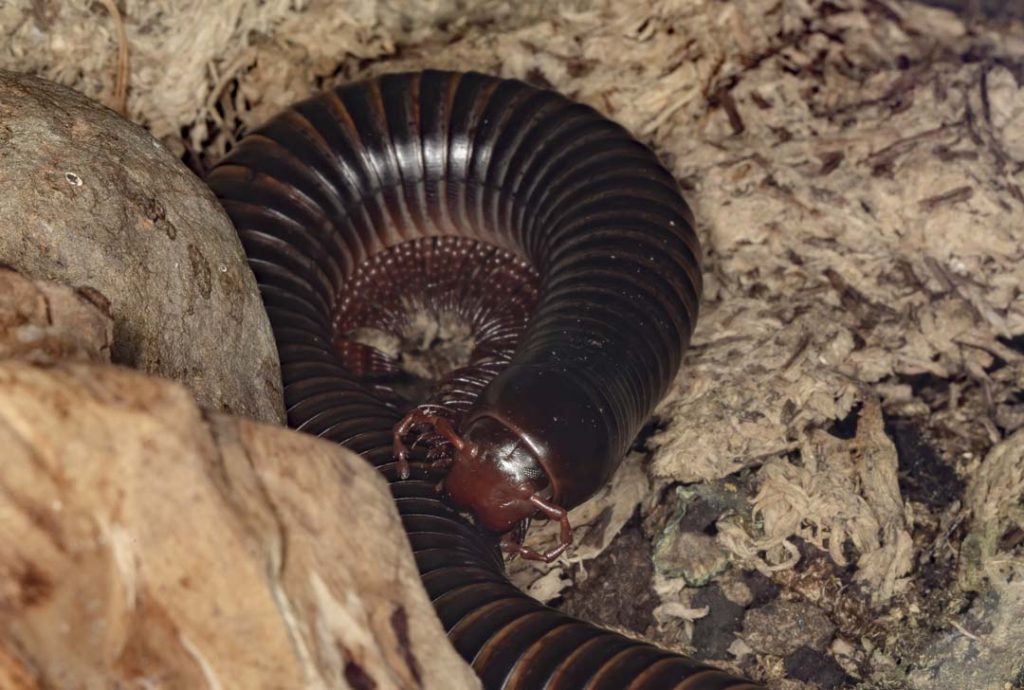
point(624, 572)
point(924, 476)
point(817, 668)
point(989, 9)
point(935, 573)
point(846, 428)
point(925, 384)
point(1012, 539)
point(714, 633)
point(653, 427)
point(1016, 342)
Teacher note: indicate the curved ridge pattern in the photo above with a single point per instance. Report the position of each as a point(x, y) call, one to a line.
point(423, 179)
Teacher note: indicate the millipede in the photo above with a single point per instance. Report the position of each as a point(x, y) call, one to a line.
point(564, 246)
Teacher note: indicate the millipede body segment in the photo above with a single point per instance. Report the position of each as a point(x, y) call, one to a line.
point(564, 246)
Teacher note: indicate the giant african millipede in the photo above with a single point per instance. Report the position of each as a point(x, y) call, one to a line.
point(565, 246)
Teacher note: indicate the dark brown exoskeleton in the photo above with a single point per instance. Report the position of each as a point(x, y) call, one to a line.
point(425, 184)
point(533, 445)
point(495, 473)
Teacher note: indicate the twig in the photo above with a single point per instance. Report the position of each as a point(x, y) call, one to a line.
point(953, 196)
point(121, 80)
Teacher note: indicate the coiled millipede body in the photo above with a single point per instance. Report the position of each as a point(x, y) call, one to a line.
point(565, 247)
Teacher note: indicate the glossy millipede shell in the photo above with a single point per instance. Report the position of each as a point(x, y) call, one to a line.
point(411, 184)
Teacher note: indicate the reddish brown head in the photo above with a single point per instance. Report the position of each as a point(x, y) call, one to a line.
point(495, 474)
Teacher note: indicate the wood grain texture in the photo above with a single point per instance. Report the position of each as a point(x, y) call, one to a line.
point(148, 543)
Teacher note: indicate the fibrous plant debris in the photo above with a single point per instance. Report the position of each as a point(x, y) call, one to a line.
point(856, 168)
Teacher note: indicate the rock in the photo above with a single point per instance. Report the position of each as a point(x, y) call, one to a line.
point(686, 547)
point(697, 558)
point(622, 573)
point(90, 200)
point(816, 668)
point(982, 647)
point(782, 627)
point(715, 633)
point(146, 544)
point(748, 588)
point(43, 322)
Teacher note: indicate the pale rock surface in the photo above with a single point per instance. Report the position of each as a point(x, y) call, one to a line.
point(148, 545)
point(982, 648)
point(90, 200)
point(42, 322)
